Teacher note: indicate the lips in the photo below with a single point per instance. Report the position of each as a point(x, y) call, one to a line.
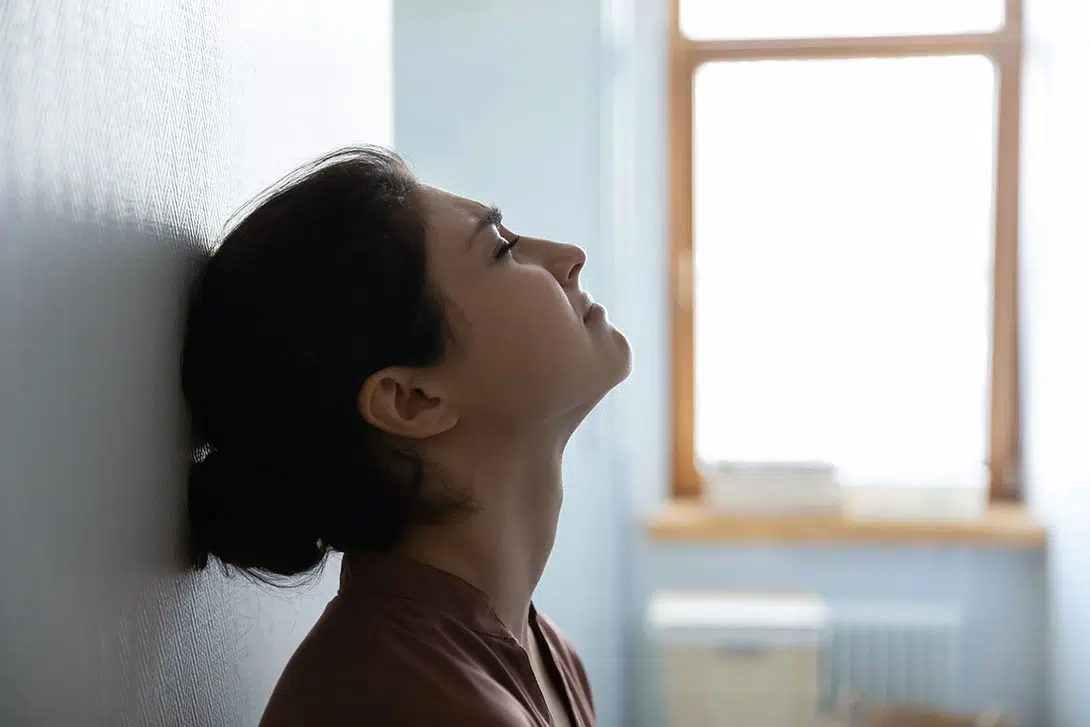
point(593, 313)
point(587, 305)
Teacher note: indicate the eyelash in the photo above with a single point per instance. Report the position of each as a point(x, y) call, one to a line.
point(507, 247)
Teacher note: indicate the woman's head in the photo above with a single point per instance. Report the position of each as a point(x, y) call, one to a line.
point(351, 321)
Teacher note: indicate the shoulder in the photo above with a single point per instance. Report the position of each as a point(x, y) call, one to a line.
point(391, 663)
point(554, 633)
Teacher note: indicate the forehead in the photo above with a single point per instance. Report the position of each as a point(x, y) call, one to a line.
point(448, 213)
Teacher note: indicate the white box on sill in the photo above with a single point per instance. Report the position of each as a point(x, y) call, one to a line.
point(932, 503)
point(771, 488)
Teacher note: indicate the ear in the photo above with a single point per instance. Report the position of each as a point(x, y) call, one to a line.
point(405, 402)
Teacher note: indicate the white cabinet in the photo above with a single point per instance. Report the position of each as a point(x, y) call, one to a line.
point(727, 660)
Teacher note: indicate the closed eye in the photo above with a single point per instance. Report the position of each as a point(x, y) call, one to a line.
point(505, 247)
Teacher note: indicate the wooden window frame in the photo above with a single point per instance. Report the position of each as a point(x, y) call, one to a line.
point(1005, 48)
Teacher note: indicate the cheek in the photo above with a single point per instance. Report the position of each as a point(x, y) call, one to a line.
point(525, 342)
point(533, 324)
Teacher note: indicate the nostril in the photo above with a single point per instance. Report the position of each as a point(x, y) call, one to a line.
point(579, 259)
point(564, 261)
point(573, 274)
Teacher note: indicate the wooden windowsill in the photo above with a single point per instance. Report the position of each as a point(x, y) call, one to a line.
point(1005, 525)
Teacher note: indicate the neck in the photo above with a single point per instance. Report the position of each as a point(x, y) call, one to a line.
point(503, 547)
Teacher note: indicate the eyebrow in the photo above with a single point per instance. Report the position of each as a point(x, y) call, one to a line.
point(492, 216)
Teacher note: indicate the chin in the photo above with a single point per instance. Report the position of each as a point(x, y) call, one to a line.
point(622, 357)
point(609, 364)
point(617, 365)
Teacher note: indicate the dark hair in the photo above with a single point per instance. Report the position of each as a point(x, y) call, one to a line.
point(322, 284)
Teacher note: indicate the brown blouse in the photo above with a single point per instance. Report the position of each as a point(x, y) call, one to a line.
point(403, 643)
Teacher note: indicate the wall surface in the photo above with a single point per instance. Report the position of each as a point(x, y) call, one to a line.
point(1001, 593)
point(1056, 244)
point(130, 130)
point(501, 100)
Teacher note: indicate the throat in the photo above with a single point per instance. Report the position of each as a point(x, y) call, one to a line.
point(501, 551)
point(515, 483)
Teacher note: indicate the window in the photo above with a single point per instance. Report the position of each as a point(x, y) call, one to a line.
point(844, 234)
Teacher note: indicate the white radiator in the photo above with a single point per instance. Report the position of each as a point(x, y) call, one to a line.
point(894, 653)
point(730, 659)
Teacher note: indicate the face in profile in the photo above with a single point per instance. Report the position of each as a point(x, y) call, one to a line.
point(529, 353)
point(530, 347)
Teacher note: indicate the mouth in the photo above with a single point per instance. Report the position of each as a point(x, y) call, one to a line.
point(591, 310)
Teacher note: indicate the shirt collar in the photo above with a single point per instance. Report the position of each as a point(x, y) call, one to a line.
point(388, 574)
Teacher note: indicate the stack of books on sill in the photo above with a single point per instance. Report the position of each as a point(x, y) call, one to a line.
point(772, 488)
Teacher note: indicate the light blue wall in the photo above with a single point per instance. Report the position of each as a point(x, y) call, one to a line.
point(1056, 271)
point(500, 100)
point(1002, 593)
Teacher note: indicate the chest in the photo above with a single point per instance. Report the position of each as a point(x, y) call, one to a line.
point(558, 703)
point(551, 685)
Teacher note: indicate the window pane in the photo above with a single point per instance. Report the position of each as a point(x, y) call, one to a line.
point(842, 252)
point(824, 18)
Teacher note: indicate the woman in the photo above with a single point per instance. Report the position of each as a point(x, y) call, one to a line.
point(381, 368)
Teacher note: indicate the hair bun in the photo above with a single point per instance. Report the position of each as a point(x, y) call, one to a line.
point(250, 515)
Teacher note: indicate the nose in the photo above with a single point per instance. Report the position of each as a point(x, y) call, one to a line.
point(565, 261)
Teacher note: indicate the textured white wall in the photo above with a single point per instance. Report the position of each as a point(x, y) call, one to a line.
point(129, 131)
